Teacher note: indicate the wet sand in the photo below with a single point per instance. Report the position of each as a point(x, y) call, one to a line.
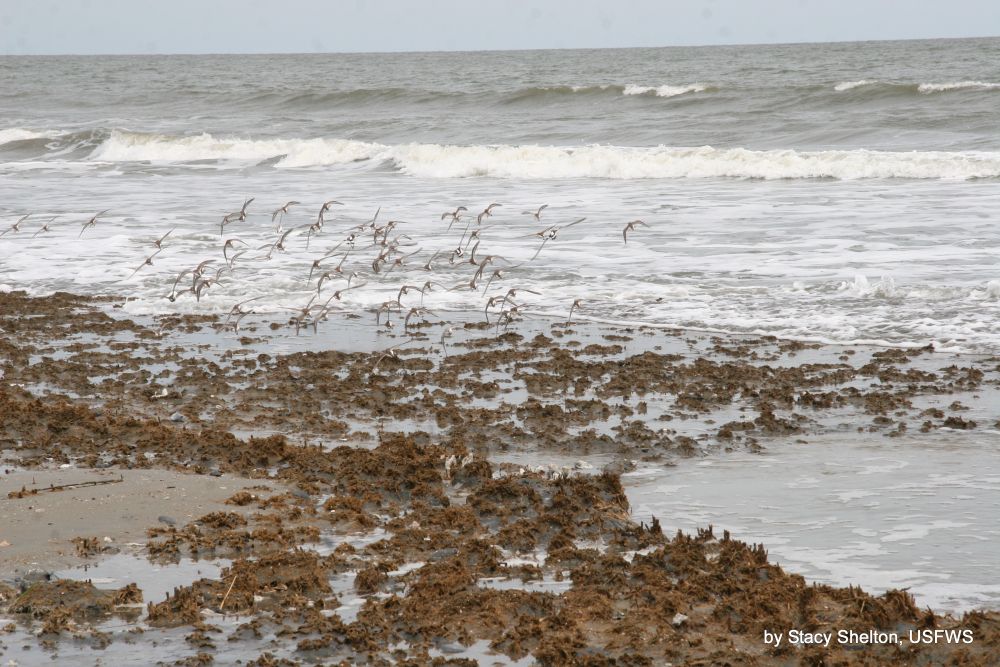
point(45, 530)
point(432, 509)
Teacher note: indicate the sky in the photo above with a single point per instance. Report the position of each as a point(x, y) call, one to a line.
point(303, 26)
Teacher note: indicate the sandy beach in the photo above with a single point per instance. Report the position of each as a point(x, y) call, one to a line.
point(304, 499)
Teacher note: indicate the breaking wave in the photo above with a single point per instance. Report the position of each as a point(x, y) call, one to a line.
point(552, 162)
point(914, 88)
point(851, 85)
point(665, 91)
point(608, 89)
point(13, 134)
point(956, 85)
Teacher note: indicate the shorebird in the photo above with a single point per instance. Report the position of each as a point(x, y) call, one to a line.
point(537, 215)
point(428, 287)
point(237, 309)
point(386, 308)
point(486, 261)
point(159, 242)
point(551, 233)
point(229, 244)
point(173, 290)
point(202, 266)
point(45, 227)
point(302, 313)
point(472, 257)
point(631, 227)
point(323, 209)
point(236, 255)
point(415, 312)
point(148, 262)
point(280, 243)
point(512, 292)
point(429, 266)
point(454, 215)
point(473, 284)
point(487, 212)
point(92, 222)
point(281, 211)
point(577, 303)
point(444, 334)
point(401, 260)
point(389, 352)
point(239, 215)
point(492, 301)
point(406, 289)
point(234, 324)
point(203, 284)
point(339, 293)
point(497, 274)
point(316, 265)
point(16, 227)
point(474, 236)
point(328, 275)
point(507, 317)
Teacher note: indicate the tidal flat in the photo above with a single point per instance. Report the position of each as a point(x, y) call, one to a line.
point(539, 493)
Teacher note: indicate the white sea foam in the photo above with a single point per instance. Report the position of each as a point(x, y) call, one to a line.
point(862, 287)
point(956, 85)
point(21, 134)
point(664, 91)
point(584, 89)
point(538, 162)
point(555, 162)
point(124, 146)
point(850, 85)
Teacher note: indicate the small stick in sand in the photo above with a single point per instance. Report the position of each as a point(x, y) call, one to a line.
point(230, 590)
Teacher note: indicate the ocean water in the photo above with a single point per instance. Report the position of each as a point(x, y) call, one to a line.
point(838, 192)
point(914, 513)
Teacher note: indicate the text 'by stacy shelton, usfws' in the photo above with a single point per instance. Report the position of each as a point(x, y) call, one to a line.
point(802, 638)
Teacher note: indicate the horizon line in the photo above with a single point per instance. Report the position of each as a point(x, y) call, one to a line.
point(511, 50)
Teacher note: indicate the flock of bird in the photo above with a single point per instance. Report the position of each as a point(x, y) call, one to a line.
point(362, 254)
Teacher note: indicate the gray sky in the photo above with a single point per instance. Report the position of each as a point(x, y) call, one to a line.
point(267, 26)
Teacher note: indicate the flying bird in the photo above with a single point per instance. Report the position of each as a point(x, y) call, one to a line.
point(92, 222)
point(631, 227)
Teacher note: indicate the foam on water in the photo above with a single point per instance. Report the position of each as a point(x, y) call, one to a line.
point(123, 146)
point(12, 134)
point(665, 90)
point(957, 85)
point(875, 264)
point(554, 162)
point(922, 88)
point(850, 85)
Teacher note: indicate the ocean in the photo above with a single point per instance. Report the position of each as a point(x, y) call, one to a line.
point(829, 192)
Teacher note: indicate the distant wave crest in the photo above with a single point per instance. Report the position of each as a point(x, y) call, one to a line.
point(13, 134)
point(914, 88)
point(956, 85)
point(553, 162)
point(851, 85)
point(665, 90)
point(605, 89)
point(122, 146)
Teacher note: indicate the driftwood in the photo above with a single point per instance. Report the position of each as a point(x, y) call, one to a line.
point(25, 492)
